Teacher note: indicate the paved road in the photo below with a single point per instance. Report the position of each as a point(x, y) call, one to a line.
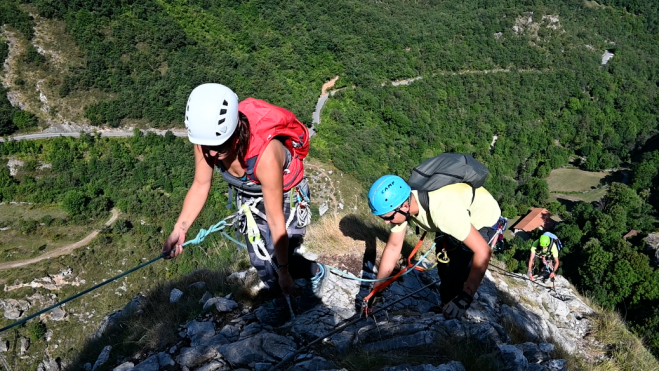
point(103, 134)
point(64, 250)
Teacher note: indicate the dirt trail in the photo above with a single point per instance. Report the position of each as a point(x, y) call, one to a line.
point(328, 85)
point(64, 250)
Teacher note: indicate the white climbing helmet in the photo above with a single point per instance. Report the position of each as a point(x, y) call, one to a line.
point(211, 115)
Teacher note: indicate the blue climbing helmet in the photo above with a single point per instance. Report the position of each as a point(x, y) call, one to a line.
point(387, 193)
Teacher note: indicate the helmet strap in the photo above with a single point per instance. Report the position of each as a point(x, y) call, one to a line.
point(407, 213)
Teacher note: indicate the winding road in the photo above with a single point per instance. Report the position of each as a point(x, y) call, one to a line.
point(64, 250)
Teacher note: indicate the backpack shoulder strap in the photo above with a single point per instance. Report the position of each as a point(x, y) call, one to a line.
point(424, 201)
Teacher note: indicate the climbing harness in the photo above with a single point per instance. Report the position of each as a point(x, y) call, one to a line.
point(356, 318)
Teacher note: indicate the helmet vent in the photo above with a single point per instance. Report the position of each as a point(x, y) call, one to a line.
point(225, 103)
point(221, 121)
point(187, 108)
point(223, 111)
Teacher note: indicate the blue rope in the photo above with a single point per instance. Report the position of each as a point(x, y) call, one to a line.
point(203, 233)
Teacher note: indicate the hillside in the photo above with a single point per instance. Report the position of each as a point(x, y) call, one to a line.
point(558, 99)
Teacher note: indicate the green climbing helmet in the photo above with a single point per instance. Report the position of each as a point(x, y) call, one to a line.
point(544, 240)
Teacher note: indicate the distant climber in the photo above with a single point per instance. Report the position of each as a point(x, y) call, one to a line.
point(549, 245)
point(236, 140)
point(464, 220)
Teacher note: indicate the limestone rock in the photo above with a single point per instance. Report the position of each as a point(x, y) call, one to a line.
point(213, 366)
point(103, 357)
point(221, 304)
point(13, 308)
point(175, 295)
point(155, 362)
point(58, 314)
point(315, 364)
point(25, 345)
point(262, 347)
point(126, 366)
point(192, 357)
point(199, 332)
point(134, 307)
point(451, 366)
point(513, 358)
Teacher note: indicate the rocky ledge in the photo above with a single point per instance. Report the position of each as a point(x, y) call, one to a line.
point(546, 316)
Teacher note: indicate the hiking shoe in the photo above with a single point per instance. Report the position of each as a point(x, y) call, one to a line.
point(312, 291)
point(273, 313)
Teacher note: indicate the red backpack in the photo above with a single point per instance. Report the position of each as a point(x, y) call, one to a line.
point(267, 121)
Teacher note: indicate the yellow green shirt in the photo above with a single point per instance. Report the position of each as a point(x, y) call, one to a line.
point(454, 213)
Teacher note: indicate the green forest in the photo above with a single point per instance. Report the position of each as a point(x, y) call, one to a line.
point(518, 84)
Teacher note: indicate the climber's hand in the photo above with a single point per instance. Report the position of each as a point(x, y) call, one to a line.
point(373, 300)
point(285, 281)
point(174, 244)
point(530, 275)
point(457, 307)
point(552, 275)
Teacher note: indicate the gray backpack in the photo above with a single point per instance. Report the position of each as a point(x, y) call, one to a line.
point(446, 169)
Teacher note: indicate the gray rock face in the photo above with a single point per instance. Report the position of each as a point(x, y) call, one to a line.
point(262, 347)
point(25, 345)
point(315, 364)
point(402, 342)
point(58, 314)
point(133, 307)
point(126, 366)
point(175, 295)
point(155, 362)
point(199, 332)
point(513, 358)
point(451, 366)
point(13, 308)
point(4, 345)
point(245, 343)
point(213, 366)
point(221, 304)
point(103, 357)
point(50, 364)
point(192, 357)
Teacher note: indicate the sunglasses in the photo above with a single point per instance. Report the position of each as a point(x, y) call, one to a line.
point(222, 149)
point(392, 216)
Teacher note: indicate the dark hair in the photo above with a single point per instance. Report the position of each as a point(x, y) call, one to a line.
point(243, 134)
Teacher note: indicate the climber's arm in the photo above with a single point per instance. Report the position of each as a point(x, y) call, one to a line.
point(391, 254)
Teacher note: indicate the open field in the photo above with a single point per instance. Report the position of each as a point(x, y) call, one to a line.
point(574, 180)
point(26, 236)
point(574, 185)
point(9, 212)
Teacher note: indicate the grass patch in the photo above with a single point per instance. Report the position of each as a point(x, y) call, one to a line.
point(625, 350)
point(10, 212)
point(574, 180)
point(34, 231)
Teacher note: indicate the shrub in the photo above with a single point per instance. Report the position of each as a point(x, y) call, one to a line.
point(36, 330)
